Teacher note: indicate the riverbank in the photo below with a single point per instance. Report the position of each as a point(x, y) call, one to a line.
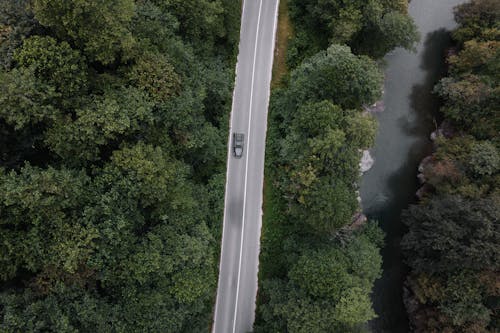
point(402, 142)
point(453, 243)
point(318, 258)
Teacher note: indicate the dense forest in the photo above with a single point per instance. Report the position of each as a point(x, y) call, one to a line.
point(113, 132)
point(453, 243)
point(317, 267)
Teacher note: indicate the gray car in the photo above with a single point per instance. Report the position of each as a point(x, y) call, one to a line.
point(238, 141)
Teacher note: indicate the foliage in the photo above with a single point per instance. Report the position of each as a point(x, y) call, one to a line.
point(56, 64)
point(16, 23)
point(114, 115)
point(198, 17)
point(372, 27)
point(338, 75)
point(327, 289)
point(41, 220)
point(26, 100)
point(471, 91)
point(452, 243)
point(317, 270)
point(478, 20)
point(155, 75)
point(99, 29)
point(450, 233)
point(112, 129)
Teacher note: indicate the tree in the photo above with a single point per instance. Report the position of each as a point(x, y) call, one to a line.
point(112, 116)
point(372, 27)
point(484, 159)
point(354, 307)
point(311, 119)
point(450, 233)
point(154, 74)
point(339, 76)
point(393, 29)
point(323, 274)
point(463, 301)
point(42, 221)
point(199, 20)
point(328, 288)
point(477, 20)
point(25, 100)
point(16, 23)
point(327, 206)
point(100, 30)
point(56, 64)
point(112, 125)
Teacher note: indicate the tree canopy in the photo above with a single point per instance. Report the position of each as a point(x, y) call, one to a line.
point(452, 245)
point(112, 127)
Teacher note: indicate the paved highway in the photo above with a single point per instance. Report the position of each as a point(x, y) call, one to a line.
point(237, 287)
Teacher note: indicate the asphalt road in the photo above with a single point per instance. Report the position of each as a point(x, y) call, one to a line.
point(237, 288)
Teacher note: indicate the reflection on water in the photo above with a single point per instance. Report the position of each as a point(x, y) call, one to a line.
point(402, 141)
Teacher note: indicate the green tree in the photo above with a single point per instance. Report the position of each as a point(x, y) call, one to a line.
point(354, 307)
point(100, 30)
point(120, 106)
point(112, 116)
point(328, 288)
point(477, 20)
point(322, 274)
point(16, 23)
point(372, 27)
point(56, 64)
point(326, 206)
point(450, 233)
point(484, 159)
point(391, 30)
point(41, 219)
point(339, 76)
point(463, 301)
point(199, 20)
point(154, 74)
point(25, 100)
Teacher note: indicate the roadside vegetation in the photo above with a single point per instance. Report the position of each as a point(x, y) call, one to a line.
point(317, 268)
point(453, 243)
point(113, 127)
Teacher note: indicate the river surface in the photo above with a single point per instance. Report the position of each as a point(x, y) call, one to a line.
point(402, 142)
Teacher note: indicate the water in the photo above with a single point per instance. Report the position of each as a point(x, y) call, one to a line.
point(403, 140)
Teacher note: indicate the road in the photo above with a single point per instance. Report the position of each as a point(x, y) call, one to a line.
point(237, 287)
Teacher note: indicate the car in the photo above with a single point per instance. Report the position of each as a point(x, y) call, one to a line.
point(238, 141)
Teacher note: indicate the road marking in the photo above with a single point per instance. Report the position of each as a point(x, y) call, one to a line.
point(246, 166)
point(227, 179)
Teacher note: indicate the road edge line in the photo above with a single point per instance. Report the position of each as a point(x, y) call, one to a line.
point(246, 164)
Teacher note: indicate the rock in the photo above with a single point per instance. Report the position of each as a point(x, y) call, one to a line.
point(421, 178)
point(411, 304)
point(445, 130)
point(377, 107)
point(423, 164)
point(366, 162)
point(358, 220)
point(423, 190)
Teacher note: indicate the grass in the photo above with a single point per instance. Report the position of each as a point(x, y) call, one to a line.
point(271, 263)
point(274, 231)
point(284, 33)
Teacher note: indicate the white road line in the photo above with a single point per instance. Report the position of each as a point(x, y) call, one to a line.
point(227, 178)
point(246, 165)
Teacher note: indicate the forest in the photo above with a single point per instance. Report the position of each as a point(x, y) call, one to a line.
point(317, 263)
point(453, 242)
point(113, 141)
point(113, 130)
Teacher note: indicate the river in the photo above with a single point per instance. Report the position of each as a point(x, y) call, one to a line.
point(402, 142)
